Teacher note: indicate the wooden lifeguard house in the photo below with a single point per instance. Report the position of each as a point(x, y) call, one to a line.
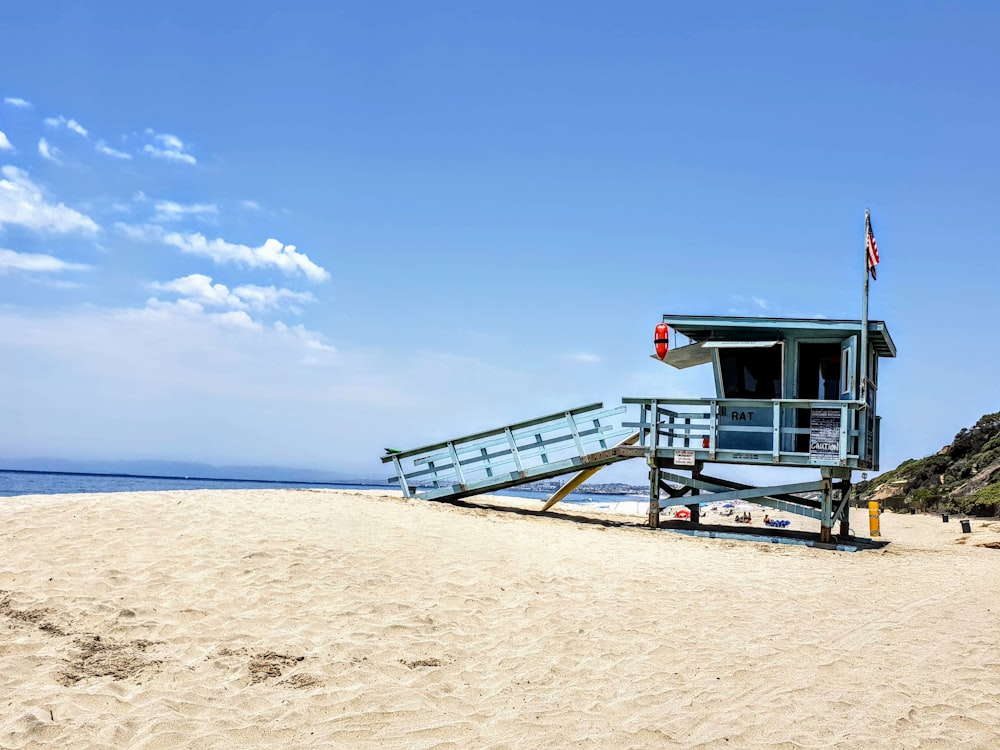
point(789, 392)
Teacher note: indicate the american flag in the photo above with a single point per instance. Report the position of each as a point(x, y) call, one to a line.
point(871, 246)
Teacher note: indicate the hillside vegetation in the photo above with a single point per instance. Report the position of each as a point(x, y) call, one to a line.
point(961, 477)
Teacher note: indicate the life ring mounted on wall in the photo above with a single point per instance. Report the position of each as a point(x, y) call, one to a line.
point(661, 340)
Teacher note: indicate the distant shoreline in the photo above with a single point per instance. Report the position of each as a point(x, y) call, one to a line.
point(189, 478)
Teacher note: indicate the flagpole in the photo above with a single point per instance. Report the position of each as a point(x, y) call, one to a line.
point(862, 390)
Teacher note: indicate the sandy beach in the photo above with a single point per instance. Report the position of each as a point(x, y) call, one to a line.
point(313, 618)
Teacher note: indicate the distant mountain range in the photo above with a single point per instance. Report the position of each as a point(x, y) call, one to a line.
point(183, 469)
point(608, 488)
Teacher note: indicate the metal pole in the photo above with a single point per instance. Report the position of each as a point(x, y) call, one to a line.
point(861, 415)
point(863, 358)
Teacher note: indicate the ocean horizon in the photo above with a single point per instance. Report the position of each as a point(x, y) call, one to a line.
point(18, 482)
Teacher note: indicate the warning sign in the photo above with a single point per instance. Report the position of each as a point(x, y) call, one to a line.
point(824, 434)
point(684, 458)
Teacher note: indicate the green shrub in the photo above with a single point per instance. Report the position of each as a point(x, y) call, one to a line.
point(985, 502)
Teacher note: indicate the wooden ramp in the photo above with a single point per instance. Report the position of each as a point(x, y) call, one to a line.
point(576, 440)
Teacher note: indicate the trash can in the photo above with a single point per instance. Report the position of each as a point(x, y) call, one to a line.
point(913, 511)
point(944, 518)
point(966, 526)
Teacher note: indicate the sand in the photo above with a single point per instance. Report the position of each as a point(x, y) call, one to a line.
point(301, 618)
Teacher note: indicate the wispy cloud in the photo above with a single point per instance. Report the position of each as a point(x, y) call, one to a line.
point(264, 297)
point(192, 309)
point(48, 152)
point(103, 148)
point(16, 101)
point(310, 339)
point(69, 124)
point(76, 127)
point(22, 202)
point(13, 261)
point(250, 205)
point(4, 143)
point(586, 358)
point(272, 253)
point(166, 146)
point(199, 288)
point(171, 211)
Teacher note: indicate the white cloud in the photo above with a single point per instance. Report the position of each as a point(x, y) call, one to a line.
point(199, 288)
point(166, 146)
point(177, 380)
point(310, 339)
point(251, 205)
point(264, 297)
point(192, 309)
point(103, 148)
point(70, 124)
point(586, 358)
point(76, 127)
point(23, 203)
point(4, 143)
point(48, 152)
point(12, 261)
point(272, 253)
point(171, 211)
point(16, 101)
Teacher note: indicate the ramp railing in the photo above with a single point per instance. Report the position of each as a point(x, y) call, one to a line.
point(539, 448)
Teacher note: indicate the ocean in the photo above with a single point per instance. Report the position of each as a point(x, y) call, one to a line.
point(14, 483)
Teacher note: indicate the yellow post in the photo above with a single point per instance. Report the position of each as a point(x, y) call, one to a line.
point(873, 514)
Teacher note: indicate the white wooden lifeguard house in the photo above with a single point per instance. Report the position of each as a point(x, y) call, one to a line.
point(789, 392)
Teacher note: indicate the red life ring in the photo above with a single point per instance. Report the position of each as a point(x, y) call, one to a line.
point(661, 340)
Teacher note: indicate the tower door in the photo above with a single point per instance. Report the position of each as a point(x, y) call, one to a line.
point(849, 369)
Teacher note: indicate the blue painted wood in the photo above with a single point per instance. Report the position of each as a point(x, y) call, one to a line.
point(539, 448)
point(732, 441)
point(719, 493)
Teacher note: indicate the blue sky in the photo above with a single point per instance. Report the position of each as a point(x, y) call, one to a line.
point(293, 234)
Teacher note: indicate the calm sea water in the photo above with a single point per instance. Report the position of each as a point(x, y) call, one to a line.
point(13, 483)
point(57, 483)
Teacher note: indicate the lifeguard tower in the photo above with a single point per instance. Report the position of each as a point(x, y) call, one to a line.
point(789, 392)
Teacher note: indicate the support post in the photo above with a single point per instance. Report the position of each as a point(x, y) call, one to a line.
point(654, 495)
point(826, 513)
point(845, 519)
point(695, 508)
